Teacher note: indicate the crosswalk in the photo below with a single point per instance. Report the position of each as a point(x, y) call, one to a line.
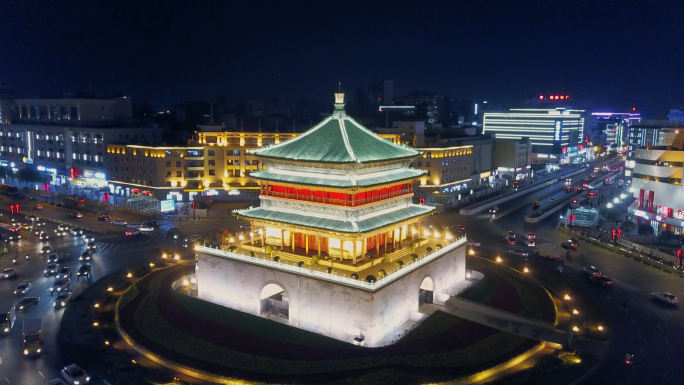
point(105, 247)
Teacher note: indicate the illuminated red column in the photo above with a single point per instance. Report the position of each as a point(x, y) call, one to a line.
point(650, 201)
point(641, 199)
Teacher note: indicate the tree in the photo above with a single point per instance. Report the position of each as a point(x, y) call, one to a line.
point(269, 249)
point(29, 175)
point(628, 226)
point(382, 273)
point(399, 264)
point(385, 257)
point(613, 215)
point(645, 229)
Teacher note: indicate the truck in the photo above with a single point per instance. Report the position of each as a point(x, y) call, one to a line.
point(7, 317)
point(547, 250)
point(32, 343)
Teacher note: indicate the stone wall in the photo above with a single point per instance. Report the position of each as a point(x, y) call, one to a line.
point(324, 307)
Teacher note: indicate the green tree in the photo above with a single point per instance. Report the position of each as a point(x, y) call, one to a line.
point(29, 175)
point(645, 229)
point(269, 249)
point(628, 226)
point(385, 257)
point(613, 215)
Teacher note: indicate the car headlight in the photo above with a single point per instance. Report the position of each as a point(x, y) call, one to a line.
point(15, 292)
point(38, 350)
point(63, 303)
point(7, 330)
point(21, 307)
point(52, 289)
point(76, 382)
point(88, 378)
point(26, 351)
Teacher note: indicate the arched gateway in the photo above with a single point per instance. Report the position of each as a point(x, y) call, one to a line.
point(426, 289)
point(274, 301)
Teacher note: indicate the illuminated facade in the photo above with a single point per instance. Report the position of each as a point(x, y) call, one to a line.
point(341, 193)
point(551, 131)
point(656, 173)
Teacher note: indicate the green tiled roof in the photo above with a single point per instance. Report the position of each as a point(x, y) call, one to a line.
point(338, 139)
point(404, 174)
point(334, 224)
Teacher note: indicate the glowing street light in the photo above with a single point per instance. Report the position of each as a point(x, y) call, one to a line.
point(499, 260)
point(110, 289)
point(575, 329)
point(471, 252)
point(616, 200)
point(575, 311)
point(600, 328)
point(96, 324)
point(436, 234)
point(129, 275)
point(526, 270)
point(623, 196)
point(609, 205)
point(240, 237)
point(426, 233)
point(96, 305)
point(448, 236)
point(567, 297)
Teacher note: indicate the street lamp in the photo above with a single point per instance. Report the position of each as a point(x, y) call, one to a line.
point(526, 270)
point(575, 311)
point(609, 205)
point(567, 297)
point(616, 200)
point(499, 260)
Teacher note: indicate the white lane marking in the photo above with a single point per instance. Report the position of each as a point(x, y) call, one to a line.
point(41, 374)
point(8, 381)
point(0, 360)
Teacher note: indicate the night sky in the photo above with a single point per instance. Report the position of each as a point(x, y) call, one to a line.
point(617, 53)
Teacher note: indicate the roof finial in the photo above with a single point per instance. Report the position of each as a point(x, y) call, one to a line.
point(339, 86)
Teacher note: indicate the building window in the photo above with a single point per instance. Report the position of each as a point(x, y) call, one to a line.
point(236, 152)
point(168, 184)
point(168, 174)
point(74, 113)
point(178, 163)
point(179, 174)
point(211, 152)
point(237, 162)
point(247, 162)
point(229, 162)
point(212, 172)
point(168, 163)
point(212, 162)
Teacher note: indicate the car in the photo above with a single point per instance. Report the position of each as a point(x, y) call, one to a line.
point(191, 239)
point(152, 223)
point(146, 228)
point(25, 226)
point(76, 231)
point(133, 226)
point(585, 178)
point(591, 270)
point(76, 214)
point(577, 188)
point(62, 227)
point(46, 249)
point(51, 268)
point(132, 232)
point(120, 222)
point(88, 237)
point(53, 258)
point(535, 205)
point(60, 233)
point(509, 240)
point(75, 375)
point(601, 280)
point(62, 299)
point(60, 285)
point(43, 236)
point(104, 218)
point(84, 271)
point(519, 252)
point(175, 232)
point(40, 207)
point(8, 273)
point(666, 298)
point(530, 243)
point(552, 199)
point(65, 272)
point(22, 288)
point(569, 244)
point(86, 256)
point(26, 303)
point(510, 234)
point(567, 188)
point(531, 236)
point(91, 245)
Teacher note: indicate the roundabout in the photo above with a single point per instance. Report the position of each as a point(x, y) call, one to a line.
point(218, 344)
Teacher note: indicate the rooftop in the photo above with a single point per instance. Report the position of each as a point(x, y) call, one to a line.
point(338, 139)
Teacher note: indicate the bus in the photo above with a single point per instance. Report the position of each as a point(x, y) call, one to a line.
point(7, 317)
point(73, 202)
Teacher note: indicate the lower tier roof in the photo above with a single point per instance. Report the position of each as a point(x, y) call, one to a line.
point(362, 226)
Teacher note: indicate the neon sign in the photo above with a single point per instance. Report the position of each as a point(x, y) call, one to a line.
point(557, 131)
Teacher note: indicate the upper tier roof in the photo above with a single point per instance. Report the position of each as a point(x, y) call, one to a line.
point(338, 139)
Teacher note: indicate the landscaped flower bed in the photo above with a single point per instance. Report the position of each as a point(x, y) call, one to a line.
point(219, 340)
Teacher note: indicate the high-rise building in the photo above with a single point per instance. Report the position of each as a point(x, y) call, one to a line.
point(556, 134)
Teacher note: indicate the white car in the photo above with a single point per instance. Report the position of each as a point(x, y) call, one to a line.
point(667, 298)
point(132, 232)
point(119, 222)
point(531, 243)
point(74, 375)
point(22, 288)
point(146, 228)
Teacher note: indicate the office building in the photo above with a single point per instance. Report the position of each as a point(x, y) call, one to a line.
point(556, 134)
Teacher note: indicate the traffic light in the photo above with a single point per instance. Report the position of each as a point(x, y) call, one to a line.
point(613, 231)
point(619, 233)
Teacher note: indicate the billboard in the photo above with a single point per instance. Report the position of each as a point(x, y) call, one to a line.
point(167, 205)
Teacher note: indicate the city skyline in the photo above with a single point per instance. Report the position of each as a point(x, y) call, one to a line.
point(163, 53)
